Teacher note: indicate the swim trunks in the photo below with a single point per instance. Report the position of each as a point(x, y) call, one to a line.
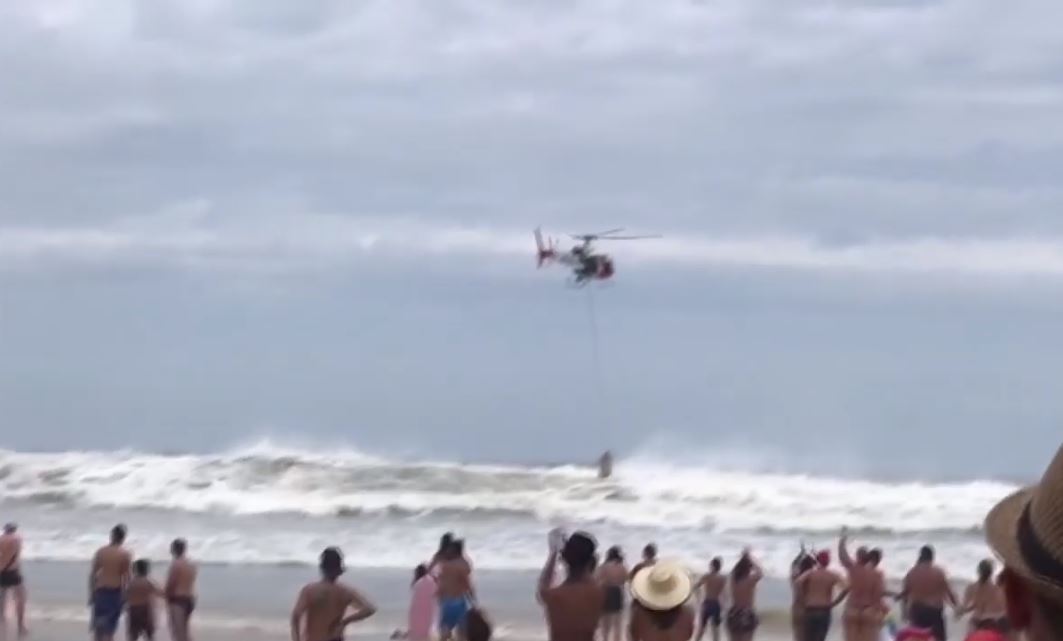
point(711, 612)
point(817, 623)
point(186, 603)
point(929, 617)
point(106, 610)
point(742, 620)
point(452, 613)
point(140, 621)
point(10, 579)
point(614, 599)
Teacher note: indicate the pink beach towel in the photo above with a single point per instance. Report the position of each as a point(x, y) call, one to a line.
point(422, 609)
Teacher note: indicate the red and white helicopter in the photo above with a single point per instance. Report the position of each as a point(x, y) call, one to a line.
point(586, 264)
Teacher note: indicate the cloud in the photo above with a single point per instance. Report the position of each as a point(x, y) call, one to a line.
point(194, 237)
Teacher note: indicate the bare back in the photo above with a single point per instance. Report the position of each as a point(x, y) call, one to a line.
point(986, 601)
point(744, 592)
point(712, 586)
point(927, 585)
point(819, 587)
point(644, 628)
point(455, 579)
point(10, 551)
point(141, 591)
point(867, 587)
point(181, 580)
point(612, 574)
point(323, 606)
point(111, 567)
point(573, 610)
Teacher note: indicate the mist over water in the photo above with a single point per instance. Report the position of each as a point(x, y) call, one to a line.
point(269, 504)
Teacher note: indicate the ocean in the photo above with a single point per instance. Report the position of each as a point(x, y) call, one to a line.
point(273, 506)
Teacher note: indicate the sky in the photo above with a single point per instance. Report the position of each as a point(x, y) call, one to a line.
point(222, 220)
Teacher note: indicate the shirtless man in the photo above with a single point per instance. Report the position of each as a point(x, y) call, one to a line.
point(321, 610)
point(180, 591)
point(864, 610)
point(108, 577)
point(925, 591)
point(11, 576)
point(649, 557)
point(819, 586)
point(574, 608)
point(455, 590)
point(711, 586)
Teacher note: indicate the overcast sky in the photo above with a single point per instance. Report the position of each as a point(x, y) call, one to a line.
point(227, 219)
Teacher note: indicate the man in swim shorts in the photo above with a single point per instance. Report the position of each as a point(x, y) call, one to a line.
point(180, 591)
point(455, 590)
point(926, 590)
point(321, 609)
point(712, 586)
point(108, 579)
point(11, 576)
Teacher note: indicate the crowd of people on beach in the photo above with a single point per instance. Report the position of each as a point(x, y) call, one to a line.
point(668, 603)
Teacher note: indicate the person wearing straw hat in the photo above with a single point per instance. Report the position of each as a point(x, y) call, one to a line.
point(660, 612)
point(1026, 532)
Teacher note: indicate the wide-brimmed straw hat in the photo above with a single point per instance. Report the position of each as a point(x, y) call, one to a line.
point(1026, 531)
point(662, 586)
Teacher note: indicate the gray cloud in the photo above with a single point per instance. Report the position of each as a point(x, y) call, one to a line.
point(355, 172)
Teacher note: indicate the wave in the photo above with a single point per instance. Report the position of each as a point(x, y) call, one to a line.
point(266, 479)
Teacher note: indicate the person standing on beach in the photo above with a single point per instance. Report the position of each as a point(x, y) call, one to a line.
point(925, 591)
point(711, 587)
point(441, 553)
point(574, 608)
point(613, 576)
point(140, 598)
point(984, 600)
point(11, 579)
point(742, 620)
point(108, 577)
point(865, 608)
point(660, 611)
point(455, 589)
point(180, 591)
point(649, 557)
point(325, 608)
point(804, 562)
point(819, 586)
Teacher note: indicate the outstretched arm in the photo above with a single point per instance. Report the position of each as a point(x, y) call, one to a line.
point(843, 550)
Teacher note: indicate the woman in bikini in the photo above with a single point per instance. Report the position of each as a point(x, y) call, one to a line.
point(742, 620)
point(613, 577)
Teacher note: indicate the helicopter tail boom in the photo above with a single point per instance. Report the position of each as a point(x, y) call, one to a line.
point(544, 252)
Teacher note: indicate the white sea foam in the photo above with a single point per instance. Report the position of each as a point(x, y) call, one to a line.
point(271, 504)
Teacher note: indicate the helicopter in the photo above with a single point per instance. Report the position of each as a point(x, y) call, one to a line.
point(586, 264)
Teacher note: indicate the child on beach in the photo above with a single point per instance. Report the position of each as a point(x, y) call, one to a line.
point(140, 598)
point(422, 605)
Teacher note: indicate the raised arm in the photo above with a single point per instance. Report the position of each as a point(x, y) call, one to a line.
point(843, 551)
point(546, 577)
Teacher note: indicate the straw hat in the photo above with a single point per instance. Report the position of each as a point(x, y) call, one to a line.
point(662, 586)
point(1026, 530)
